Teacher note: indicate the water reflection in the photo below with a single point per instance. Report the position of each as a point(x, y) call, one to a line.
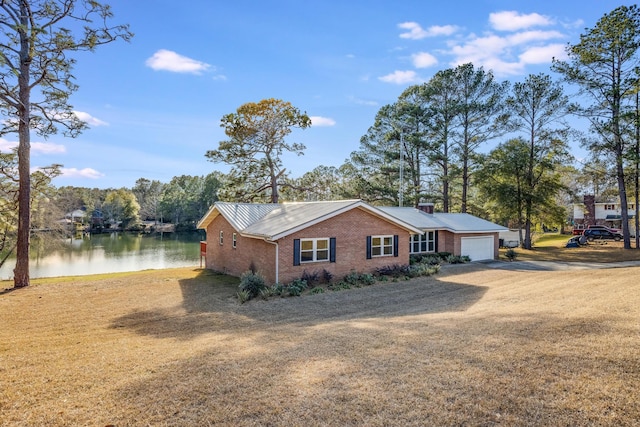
point(108, 253)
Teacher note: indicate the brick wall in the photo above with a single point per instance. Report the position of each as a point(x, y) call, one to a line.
point(247, 253)
point(350, 230)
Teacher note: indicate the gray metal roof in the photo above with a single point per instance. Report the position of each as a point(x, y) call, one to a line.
point(454, 222)
point(274, 221)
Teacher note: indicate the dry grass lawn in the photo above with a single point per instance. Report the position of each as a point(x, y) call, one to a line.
point(472, 345)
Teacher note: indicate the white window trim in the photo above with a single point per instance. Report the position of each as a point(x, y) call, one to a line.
point(382, 245)
point(421, 239)
point(315, 250)
point(221, 237)
point(234, 240)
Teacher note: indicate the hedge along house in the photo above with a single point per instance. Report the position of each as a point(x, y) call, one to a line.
point(456, 233)
point(282, 241)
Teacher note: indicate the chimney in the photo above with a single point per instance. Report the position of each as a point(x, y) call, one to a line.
point(590, 210)
point(426, 207)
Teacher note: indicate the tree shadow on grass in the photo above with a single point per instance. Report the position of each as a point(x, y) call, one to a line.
point(447, 371)
point(209, 304)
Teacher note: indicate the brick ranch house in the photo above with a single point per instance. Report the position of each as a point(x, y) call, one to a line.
point(281, 241)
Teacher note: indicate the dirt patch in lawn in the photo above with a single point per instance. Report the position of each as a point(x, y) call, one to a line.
point(469, 346)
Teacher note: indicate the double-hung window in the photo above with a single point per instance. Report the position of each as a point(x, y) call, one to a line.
point(423, 243)
point(314, 250)
point(381, 245)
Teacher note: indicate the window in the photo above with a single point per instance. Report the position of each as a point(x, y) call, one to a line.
point(234, 240)
point(381, 245)
point(631, 207)
point(421, 243)
point(609, 207)
point(221, 236)
point(314, 250)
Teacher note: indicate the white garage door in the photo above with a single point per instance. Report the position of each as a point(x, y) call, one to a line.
point(477, 248)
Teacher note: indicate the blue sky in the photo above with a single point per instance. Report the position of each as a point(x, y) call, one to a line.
point(154, 104)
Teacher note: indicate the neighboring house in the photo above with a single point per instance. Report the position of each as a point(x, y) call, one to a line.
point(282, 241)
point(591, 212)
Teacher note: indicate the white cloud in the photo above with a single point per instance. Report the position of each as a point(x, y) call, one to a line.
point(543, 54)
point(36, 147)
point(416, 32)
point(171, 61)
point(510, 54)
point(400, 77)
point(532, 36)
point(81, 173)
point(513, 21)
point(423, 60)
point(47, 148)
point(7, 146)
point(319, 121)
point(89, 119)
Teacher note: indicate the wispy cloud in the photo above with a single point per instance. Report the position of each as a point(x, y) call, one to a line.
point(401, 77)
point(319, 121)
point(81, 173)
point(359, 101)
point(416, 32)
point(89, 119)
point(168, 60)
point(510, 20)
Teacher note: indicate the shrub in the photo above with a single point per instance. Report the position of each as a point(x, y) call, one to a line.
point(310, 278)
point(423, 270)
point(252, 283)
point(444, 255)
point(393, 270)
point(431, 260)
point(317, 290)
point(511, 254)
point(352, 278)
point(266, 292)
point(327, 276)
point(457, 259)
point(367, 279)
point(243, 296)
point(296, 287)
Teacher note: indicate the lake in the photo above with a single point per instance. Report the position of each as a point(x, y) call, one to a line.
point(110, 253)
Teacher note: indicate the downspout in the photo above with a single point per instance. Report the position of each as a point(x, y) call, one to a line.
point(277, 262)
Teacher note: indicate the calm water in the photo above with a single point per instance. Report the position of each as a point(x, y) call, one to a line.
point(115, 252)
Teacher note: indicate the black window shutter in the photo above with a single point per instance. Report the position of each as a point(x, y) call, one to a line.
point(368, 247)
point(296, 251)
point(332, 249)
point(395, 245)
point(435, 239)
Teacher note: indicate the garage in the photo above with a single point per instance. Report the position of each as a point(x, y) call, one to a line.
point(477, 248)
